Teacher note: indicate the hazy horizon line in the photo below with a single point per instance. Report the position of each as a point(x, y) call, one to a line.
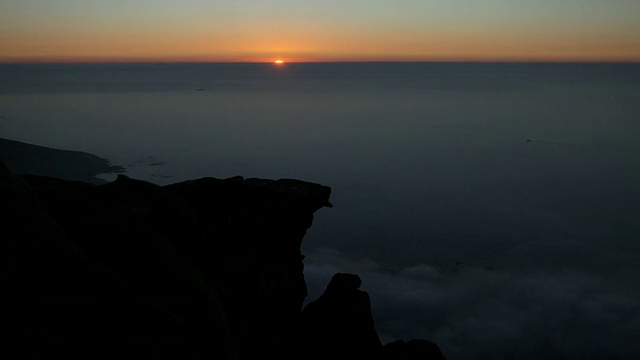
point(158, 61)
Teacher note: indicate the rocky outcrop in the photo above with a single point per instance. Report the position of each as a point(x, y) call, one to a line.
point(202, 269)
point(339, 323)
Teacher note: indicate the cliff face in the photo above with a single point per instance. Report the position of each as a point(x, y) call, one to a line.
point(203, 269)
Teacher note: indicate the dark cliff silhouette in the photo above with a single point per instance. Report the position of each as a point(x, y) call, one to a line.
point(202, 269)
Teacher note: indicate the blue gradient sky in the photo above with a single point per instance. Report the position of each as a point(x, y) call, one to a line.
point(305, 30)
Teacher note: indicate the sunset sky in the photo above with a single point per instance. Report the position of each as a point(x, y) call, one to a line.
point(319, 30)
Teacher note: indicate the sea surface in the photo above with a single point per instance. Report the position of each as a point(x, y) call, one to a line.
point(493, 208)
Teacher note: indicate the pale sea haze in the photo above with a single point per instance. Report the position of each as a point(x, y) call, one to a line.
point(493, 208)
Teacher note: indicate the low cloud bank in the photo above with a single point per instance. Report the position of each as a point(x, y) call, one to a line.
point(481, 313)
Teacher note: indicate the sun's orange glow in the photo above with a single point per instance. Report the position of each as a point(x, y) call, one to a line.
point(207, 31)
point(306, 43)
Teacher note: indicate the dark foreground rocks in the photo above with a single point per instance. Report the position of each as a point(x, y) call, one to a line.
point(203, 269)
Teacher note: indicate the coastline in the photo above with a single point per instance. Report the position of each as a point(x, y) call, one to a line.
point(24, 158)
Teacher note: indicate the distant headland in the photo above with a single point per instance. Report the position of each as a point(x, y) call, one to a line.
point(23, 158)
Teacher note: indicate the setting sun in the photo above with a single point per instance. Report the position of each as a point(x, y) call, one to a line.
point(279, 62)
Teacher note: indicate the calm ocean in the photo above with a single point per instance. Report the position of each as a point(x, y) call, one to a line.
point(491, 208)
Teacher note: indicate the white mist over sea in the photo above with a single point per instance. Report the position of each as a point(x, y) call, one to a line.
point(491, 208)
